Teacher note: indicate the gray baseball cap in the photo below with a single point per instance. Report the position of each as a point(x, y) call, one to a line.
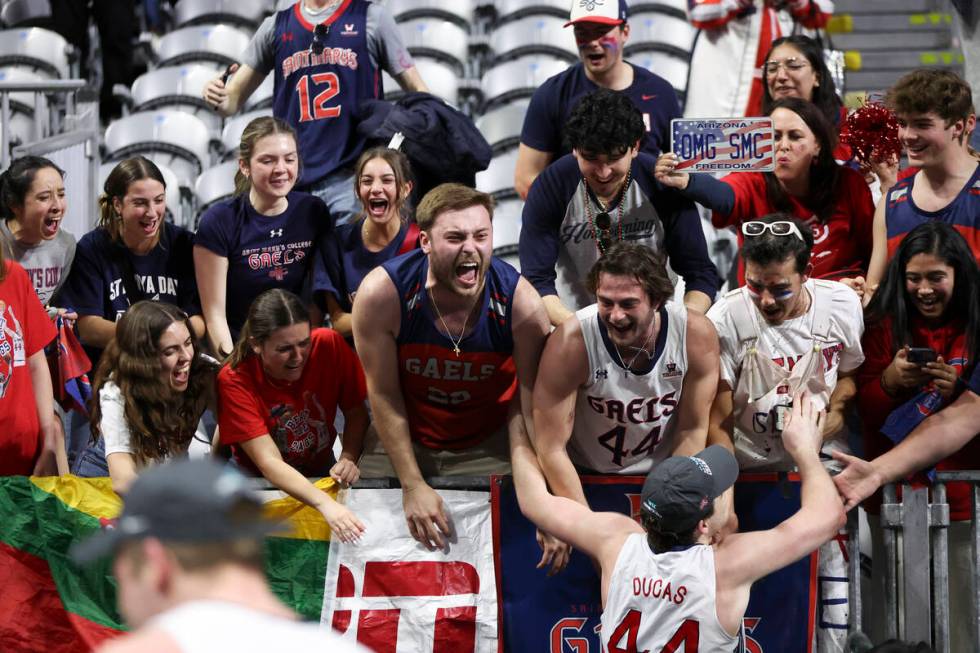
point(679, 491)
point(188, 501)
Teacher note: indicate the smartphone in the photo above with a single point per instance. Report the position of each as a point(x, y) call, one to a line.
point(921, 355)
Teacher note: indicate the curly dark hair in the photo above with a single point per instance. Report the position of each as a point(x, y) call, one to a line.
point(767, 248)
point(824, 173)
point(632, 259)
point(604, 122)
point(161, 422)
point(891, 301)
point(825, 93)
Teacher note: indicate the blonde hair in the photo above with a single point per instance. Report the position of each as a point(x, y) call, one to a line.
point(117, 184)
point(255, 131)
point(449, 197)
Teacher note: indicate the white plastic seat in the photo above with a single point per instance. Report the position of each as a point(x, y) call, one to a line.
point(440, 77)
point(247, 13)
point(231, 135)
point(661, 30)
point(498, 178)
point(215, 184)
point(223, 44)
point(534, 34)
point(437, 38)
point(458, 11)
point(177, 87)
point(672, 68)
point(17, 12)
point(502, 126)
point(507, 225)
point(512, 9)
point(172, 138)
point(40, 50)
point(173, 185)
point(520, 77)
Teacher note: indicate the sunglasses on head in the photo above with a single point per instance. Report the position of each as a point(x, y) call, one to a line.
point(319, 44)
point(603, 223)
point(754, 228)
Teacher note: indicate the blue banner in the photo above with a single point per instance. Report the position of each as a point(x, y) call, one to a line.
point(561, 614)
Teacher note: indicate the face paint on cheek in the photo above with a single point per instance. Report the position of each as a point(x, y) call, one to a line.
point(609, 43)
point(782, 296)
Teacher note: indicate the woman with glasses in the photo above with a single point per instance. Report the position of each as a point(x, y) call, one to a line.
point(922, 338)
point(806, 183)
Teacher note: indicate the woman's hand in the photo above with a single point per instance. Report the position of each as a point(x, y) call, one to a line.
point(902, 375)
point(343, 523)
point(664, 172)
point(345, 472)
point(943, 376)
point(857, 284)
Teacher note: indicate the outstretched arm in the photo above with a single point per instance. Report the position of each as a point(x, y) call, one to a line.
point(700, 384)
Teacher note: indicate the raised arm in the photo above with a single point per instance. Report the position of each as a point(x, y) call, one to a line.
point(376, 318)
point(700, 384)
point(211, 271)
point(879, 251)
point(721, 418)
point(228, 98)
point(530, 328)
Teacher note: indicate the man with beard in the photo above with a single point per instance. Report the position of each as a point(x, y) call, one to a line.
point(450, 340)
point(601, 32)
point(601, 194)
point(628, 378)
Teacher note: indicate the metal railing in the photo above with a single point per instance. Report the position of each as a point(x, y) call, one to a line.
point(42, 128)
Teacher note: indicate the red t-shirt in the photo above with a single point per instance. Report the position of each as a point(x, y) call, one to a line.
point(841, 247)
point(299, 415)
point(25, 329)
point(949, 341)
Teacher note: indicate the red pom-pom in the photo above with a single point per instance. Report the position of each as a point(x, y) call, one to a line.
point(872, 133)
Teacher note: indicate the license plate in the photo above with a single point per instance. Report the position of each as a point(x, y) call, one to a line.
point(722, 144)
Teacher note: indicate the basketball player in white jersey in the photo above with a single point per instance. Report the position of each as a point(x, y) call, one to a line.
point(625, 381)
point(669, 585)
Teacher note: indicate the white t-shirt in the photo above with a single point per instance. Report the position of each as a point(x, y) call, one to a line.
point(208, 626)
point(787, 342)
point(115, 428)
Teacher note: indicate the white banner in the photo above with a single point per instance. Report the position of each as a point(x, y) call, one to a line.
point(393, 595)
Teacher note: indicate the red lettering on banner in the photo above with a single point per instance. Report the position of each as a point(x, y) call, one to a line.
point(635, 507)
point(455, 630)
point(751, 645)
point(559, 640)
point(420, 579)
point(378, 630)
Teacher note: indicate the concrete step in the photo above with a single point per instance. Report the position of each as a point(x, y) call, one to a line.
point(893, 40)
point(847, 23)
point(877, 80)
point(855, 60)
point(884, 6)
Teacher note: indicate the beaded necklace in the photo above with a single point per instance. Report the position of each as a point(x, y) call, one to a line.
point(601, 222)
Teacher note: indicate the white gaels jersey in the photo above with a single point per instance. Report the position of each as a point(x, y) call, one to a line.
point(663, 601)
point(622, 419)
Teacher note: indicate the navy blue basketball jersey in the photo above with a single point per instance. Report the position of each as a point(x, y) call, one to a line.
point(318, 93)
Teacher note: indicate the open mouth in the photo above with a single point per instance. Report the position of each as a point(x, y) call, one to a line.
point(927, 302)
point(149, 225)
point(377, 206)
point(595, 57)
point(50, 226)
point(915, 150)
point(468, 273)
point(181, 375)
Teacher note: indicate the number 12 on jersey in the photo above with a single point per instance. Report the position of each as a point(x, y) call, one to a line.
point(684, 639)
point(317, 110)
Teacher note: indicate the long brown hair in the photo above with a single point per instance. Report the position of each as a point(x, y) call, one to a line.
point(273, 309)
point(399, 166)
point(161, 421)
point(255, 131)
point(117, 184)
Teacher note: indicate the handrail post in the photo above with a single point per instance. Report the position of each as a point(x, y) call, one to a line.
point(938, 537)
point(891, 523)
point(5, 128)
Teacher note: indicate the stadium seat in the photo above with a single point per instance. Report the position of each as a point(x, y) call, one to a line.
point(502, 125)
point(458, 11)
point(22, 12)
point(514, 9)
point(498, 178)
point(534, 34)
point(214, 184)
point(231, 135)
point(174, 205)
point(37, 49)
point(507, 230)
point(223, 44)
point(177, 87)
point(245, 13)
point(175, 139)
point(519, 78)
point(433, 37)
point(661, 30)
point(441, 79)
point(669, 66)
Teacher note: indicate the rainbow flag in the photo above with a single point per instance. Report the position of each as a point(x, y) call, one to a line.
point(49, 604)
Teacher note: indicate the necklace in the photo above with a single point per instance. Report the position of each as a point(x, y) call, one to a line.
point(456, 341)
point(601, 222)
point(639, 350)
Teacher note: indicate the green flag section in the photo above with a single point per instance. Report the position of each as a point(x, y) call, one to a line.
point(49, 604)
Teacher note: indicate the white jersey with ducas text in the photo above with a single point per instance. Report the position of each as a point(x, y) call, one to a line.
point(663, 601)
point(623, 420)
